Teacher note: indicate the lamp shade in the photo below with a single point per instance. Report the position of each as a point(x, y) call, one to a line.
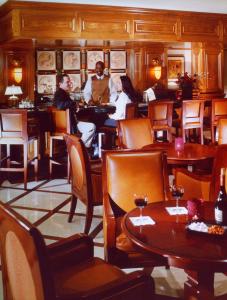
point(13, 90)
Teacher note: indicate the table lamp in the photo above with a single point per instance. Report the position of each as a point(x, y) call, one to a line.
point(13, 91)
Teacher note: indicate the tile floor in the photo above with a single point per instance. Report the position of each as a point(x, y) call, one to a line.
point(46, 204)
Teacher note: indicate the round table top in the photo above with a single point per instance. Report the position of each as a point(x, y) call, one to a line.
point(170, 238)
point(191, 153)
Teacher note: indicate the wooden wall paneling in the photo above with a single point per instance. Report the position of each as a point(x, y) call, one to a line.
point(2, 83)
point(6, 31)
point(207, 62)
point(156, 27)
point(224, 22)
point(198, 27)
point(49, 24)
point(104, 26)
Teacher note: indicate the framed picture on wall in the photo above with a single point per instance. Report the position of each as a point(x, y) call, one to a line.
point(175, 66)
point(116, 80)
point(46, 60)
point(46, 84)
point(93, 57)
point(117, 59)
point(71, 60)
point(76, 82)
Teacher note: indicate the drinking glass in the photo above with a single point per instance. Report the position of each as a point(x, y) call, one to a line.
point(140, 201)
point(177, 192)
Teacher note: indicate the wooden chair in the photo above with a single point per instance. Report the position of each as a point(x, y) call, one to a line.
point(203, 186)
point(110, 133)
point(86, 180)
point(135, 133)
point(192, 117)
point(125, 173)
point(161, 115)
point(222, 131)
point(218, 111)
point(14, 131)
point(60, 126)
point(64, 270)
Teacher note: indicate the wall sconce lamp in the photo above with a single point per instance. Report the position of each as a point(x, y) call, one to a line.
point(17, 74)
point(156, 68)
point(17, 70)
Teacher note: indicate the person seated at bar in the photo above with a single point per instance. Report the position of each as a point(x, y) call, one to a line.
point(127, 95)
point(63, 101)
point(99, 89)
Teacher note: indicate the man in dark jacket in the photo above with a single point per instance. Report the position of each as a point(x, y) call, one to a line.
point(63, 101)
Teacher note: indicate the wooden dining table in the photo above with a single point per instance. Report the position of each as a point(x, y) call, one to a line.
point(199, 254)
point(191, 154)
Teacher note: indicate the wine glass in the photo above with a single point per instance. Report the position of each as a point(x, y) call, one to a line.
point(177, 192)
point(140, 201)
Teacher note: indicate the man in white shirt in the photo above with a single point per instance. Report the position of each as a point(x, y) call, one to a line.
point(99, 89)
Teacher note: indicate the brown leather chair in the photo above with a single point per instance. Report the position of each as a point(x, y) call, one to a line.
point(14, 130)
point(135, 133)
point(161, 115)
point(86, 179)
point(60, 126)
point(219, 111)
point(125, 173)
point(203, 186)
point(192, 116)
point(222, 131)
point(131, 111)
point(64, 270)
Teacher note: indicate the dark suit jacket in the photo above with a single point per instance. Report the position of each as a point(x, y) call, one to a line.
point(63, 101)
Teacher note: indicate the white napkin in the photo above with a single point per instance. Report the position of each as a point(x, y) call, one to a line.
point(180, 210)
point(150, 94)
point(198, 226)
point(144, 220)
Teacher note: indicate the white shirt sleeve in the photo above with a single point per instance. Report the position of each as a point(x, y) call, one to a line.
point(88, 91)
point(120, 104)
point(113, 91)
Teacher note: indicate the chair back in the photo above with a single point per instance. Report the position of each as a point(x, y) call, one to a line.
point(140, 172)
point(219, 110)
point(222, 131)
point(192, 112)
point(80, 169)
point(160, 112)
point(220, 161)
point(135, 133)
point(24, 260)
point(131, 111)
point(60, 120)
point(13, 123)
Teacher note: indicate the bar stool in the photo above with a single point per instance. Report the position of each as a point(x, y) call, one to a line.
point(110, 133)
point(14, 131)
point(60, 126)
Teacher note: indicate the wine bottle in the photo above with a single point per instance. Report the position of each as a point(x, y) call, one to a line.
point(220, 211)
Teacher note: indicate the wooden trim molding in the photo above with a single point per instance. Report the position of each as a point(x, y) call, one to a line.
point(65, 21)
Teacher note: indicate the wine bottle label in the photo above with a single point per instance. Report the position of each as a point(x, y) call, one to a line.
point(218, 214)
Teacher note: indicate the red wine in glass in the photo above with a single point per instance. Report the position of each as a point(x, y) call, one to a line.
point(141, 202)
point(177, 192)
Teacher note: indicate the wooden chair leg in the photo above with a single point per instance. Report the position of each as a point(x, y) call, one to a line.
point(50, 157)
point(8, 155)
point(201, 135)
point(89, 215)
point(68, 169)
point(36, 159)
point(72, 208)
point(184, 135)
point(25, 146)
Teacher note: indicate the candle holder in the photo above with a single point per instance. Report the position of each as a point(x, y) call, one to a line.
point(179, 144)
